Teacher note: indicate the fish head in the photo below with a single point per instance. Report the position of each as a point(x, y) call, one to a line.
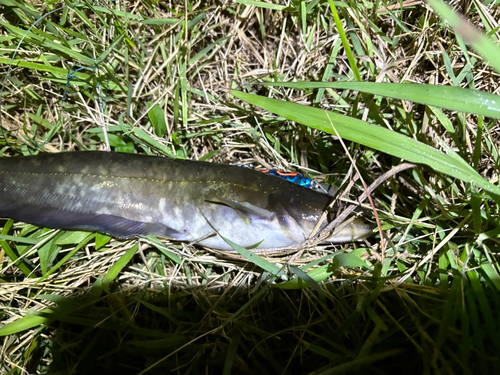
point(299, 217)
point(351, 230)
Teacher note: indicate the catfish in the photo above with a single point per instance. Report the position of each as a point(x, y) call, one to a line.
point(130, 195)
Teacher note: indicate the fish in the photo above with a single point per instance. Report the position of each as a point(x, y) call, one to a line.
point(130, 195)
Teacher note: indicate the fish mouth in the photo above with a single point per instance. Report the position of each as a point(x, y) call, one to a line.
point(354, 230)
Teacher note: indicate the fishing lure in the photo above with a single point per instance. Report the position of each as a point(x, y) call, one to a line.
point(302, 180)
point(294, 177)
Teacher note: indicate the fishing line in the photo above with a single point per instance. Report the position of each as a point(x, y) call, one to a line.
point(101, 101)
point(71, 75)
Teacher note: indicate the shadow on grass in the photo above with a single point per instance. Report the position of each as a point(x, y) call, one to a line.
point(354, 328)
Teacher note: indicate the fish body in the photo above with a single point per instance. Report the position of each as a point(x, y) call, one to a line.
point(128, 195)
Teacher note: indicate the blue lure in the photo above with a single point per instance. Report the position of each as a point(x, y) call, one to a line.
point(294, 177)
point(299, 179)
point(302, 180)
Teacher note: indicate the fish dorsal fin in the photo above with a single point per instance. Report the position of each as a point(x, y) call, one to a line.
point(245, 210)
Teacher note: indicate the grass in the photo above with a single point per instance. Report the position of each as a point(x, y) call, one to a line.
point(155, 78)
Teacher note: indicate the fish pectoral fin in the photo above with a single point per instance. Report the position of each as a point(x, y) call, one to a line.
point(244, 210)
point(288, 223)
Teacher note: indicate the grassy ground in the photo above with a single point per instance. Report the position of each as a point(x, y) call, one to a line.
point(154, 78)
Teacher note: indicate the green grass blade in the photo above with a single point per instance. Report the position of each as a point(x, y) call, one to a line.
point(262, 4)
point(64, 307)
point(115, 12)
point(480, 42)
point(308, 279)
point(317, 275)
point(183, 86)
point(118, 267)
point(204, 52)
point(489, 315)
point(375, 137)
point(43, 68)
point(26, 322)
point(255, 259)
point(157, 117)
point(345, 42)
point(11, 253)
point(101, 240)
point(452, 98)
point(32, 37)
point(47, 253)
point(29, 241)
point(146, 137)
point(231, 354)
point(67, 256)
point(320, 274)
point(160, 246)
point(351, 259)
point(160, 21)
